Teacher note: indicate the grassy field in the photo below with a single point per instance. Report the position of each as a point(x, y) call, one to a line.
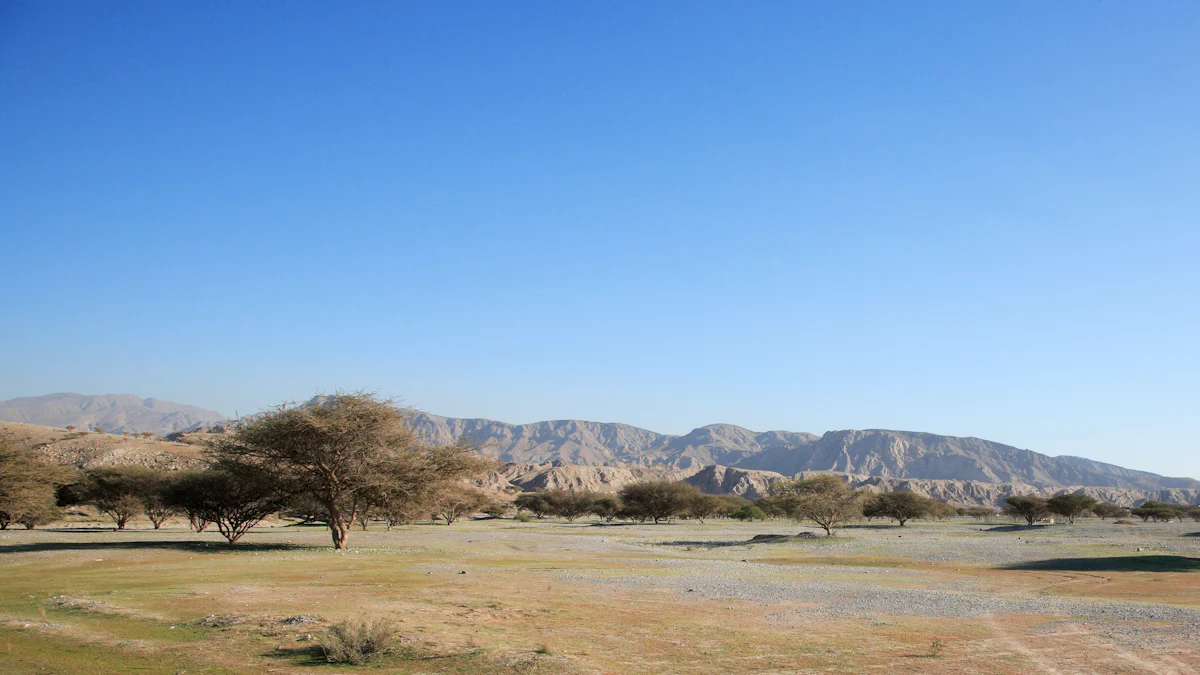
point(502, 596)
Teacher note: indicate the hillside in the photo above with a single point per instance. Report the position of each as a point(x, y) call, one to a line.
point(111, 412)
point(596, 443)
point(872, 452)
point(86, 449)
point(752, 484)
point(897, 455)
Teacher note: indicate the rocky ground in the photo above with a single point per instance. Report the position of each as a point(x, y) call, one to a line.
point(499, 596)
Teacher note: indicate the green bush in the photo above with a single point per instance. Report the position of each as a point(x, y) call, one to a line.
point(749, 512)
point(358, 643)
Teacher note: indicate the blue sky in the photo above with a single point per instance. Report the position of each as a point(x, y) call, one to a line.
point(965, 218)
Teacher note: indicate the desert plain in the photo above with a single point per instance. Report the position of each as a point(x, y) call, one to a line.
point(504, 596)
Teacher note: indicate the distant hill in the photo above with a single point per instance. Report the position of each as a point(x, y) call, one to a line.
point(87, 449)
point(112, 412)
point(871, 452)
point(752, 484)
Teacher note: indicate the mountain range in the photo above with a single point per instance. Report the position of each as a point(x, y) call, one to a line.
point(870, 452)
point(752, 484)
point(879, 453)
point(112, 412)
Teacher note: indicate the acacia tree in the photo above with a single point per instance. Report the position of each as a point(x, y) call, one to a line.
point(748, 512)
point(606, 507)
point(1158, 511)
point(27, 486)
point(235, 501)
point(1031, 509)
point(898, 506)
point(175, 494)
point(38, 513)
point(457, 500)
point(569, 504)
point(700, 506)
point(534, 502)
point(826, 500)
point(1109, 510)
point(156, 498)
point(977, 512)
point(656, 500)
point(118, 491)
point(1070, 506)
point(343, 451)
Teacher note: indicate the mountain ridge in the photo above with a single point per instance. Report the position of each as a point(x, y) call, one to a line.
point(884, 453)
point(112, 412)
point(875, 452)
point(753, 484)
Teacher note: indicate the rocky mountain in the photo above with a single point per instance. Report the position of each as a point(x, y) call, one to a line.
point(871, 452)
point(967, 463)
point(596, 443)
point(112, 412)
point(753, 484)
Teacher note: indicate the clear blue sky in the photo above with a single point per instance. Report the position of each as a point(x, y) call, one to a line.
point(971, 218)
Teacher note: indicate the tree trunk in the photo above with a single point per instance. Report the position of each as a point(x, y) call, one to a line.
point(339, 531)
point(337, 526)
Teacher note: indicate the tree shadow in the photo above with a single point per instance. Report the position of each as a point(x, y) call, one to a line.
point(175, 545)
point(755, 540)
point(1015, 528)
point(1129, 563)
point(72, 530)
point(313, 656)
point(1191, 534)
point(306, 656)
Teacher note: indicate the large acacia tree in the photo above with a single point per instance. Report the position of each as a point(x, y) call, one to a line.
point(826, 500)
point(1029, 508)
point(656, 500)
point(899, 506)
point(235, 500)
point(344, 452)
point(1070, 506)
point(27, 485)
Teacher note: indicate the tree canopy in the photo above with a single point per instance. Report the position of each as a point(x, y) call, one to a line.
point(899, 506)
point(827, 500)
point(345, 452)
point(1070, 506)
point(1031, 509)
point(656, 500)
point(27, 486)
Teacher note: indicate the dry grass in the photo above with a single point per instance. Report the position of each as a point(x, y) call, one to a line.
point(169, 601)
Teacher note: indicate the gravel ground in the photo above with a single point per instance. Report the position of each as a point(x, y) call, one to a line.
point(861, 599)
point(706, 566)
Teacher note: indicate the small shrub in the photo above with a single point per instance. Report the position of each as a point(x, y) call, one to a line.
point(1124, 522)
point(524, 518)
point(358, 643)
point(935, 647)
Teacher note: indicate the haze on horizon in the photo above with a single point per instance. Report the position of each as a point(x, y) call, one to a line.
point(967, 219)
